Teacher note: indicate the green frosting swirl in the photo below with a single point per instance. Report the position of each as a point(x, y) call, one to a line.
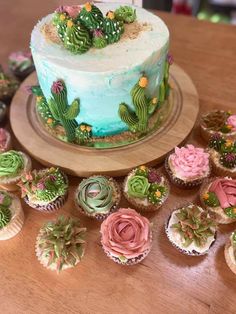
point(60, 21)
point(11, 164)
point(112, 29)
point(99, 42)
point(140, 102)
point(126, 14)
point(211, 200)
point(92, 19)
point(77, 39)
point(96, 195)
point(5, 216)
point(5, 199)
point(138, 186)
point(230, 212)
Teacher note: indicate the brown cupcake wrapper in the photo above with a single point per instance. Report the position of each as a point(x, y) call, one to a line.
point(150, 207)
point(100, 216)
point(220, 218)
point(207, 134)
point(15, 225)
point(181, 183)
point(180, 249)
point(228, 259)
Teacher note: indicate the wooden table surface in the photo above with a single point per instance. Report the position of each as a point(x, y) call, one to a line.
point(166, 281)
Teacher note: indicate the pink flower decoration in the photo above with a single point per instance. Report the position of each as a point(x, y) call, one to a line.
point(3, 135)
point(153, 177)
point(41, 186)
point(97, 33)
point(225, 190)
point(126, 233)
point(57, 87)
point(52, 178)
point(232, 121)
point(71, 10)
point(20, 56)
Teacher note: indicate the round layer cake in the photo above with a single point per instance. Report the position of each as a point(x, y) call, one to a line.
point(102, 79)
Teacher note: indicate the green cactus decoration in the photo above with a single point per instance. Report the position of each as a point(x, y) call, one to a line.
point(61, 111)
point(91, 17)
point(129, 117)
point(5, 216)
point(83, 134)
point(126, 14)
point(112, 28)
point(60, 21)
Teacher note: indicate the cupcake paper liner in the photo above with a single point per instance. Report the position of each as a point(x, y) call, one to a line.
point(100, 216)
point(219, 216)
point(228, 259)
point(16, 223)
point(181, 183)
point(222, 172)
point(50, 207)
point(180, 249)
point(150, 207)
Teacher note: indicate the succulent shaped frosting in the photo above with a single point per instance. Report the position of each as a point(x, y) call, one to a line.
point(5, 216)
point(60, 21)
point(99, 40)
point(230, 212)
point(44, 185)
point(95, 194)
point(194, 225)
point(126, 14)
point(112, 28)
point(61, 243)
point(11, 163)
point(77, 38)
point(216, 121)
point(83, 134)
point(210, 199)
point(146, 183)
point(228, 160)
point(91, 17)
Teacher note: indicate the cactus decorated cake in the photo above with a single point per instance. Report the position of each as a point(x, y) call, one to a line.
point(103, 72)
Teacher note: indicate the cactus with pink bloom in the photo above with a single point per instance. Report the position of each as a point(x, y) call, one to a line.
point(99, 40)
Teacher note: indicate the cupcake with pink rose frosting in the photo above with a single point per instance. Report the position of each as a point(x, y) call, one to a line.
point(218, 196)
point(188, 166)
point(5, 140)
point(126, 236)
point(21, 63)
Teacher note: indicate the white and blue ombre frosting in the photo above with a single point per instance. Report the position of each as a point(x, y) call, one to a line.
point(103, 78)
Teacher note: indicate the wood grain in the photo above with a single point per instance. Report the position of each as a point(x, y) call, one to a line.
point(82, 161)
point(166, 282)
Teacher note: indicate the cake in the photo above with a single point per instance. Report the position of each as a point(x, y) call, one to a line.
point(230, 252)
point(191, 230)
point(12, 165)
point(60, 244)
point(223, 155)
point(145, 188)
point(11, 215)
point(5, 140)
point(188, 166)
point(218, 195)
point(98, 196)
point(102, 70)
point(45, 190)
point(126, 236)
point(220, 121)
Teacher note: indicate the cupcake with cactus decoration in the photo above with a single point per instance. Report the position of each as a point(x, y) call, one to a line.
point(8, 86)
point(220, 121)
point(98, 196)
point(126, 236)
point(230, 252)
point(191, 230)
point(21, 63)
point(60, 244)
point(223, 155)
point(45, 190)
point(218, 195)
point(12, 165)
point(11, 215)
point(146, 189)
point(188, 166)
point(5, 140)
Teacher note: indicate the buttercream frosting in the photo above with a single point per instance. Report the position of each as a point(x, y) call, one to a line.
point(126, 234)
point(11, 164)
point(225, 190)
point(232, 122)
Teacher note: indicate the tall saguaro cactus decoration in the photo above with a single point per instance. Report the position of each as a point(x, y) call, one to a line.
point(61, 111)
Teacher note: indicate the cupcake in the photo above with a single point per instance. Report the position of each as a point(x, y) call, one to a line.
point(5, 140)
point(12, 165)
point(45, 190)
point(8, 86)
point(126, 236)
point(21, 64)
point(3, 111)
point(220, 121)
point(191, 230)
point(188, 166)
point(97, 197)
point(60, 244)
point(218, 195)
point(146, 189)
point(223, 156)
point(11, 215)
point(230, 252)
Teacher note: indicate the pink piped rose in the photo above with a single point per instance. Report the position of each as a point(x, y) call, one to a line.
point(225, 190)
point(71, 10)
point(126, 234)
point(190, 162)
point(232, 122)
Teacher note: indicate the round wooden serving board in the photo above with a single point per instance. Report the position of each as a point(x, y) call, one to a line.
point(83, 161)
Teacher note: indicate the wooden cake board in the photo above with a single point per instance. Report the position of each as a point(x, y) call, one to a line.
point(85, 161)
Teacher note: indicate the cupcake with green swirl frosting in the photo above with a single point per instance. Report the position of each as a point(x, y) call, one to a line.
point(11, 215)
point(12, 165)
point(45, 190)
point(146, 189)
point(98, 197)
